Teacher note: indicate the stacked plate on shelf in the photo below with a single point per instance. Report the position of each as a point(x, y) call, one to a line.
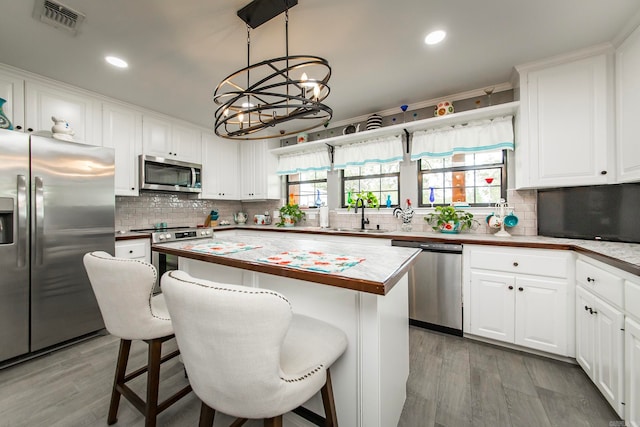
point(374, 122)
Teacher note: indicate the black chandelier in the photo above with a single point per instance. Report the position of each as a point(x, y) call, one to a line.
point(254, 100)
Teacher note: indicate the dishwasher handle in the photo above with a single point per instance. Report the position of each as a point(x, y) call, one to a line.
point(448, 248)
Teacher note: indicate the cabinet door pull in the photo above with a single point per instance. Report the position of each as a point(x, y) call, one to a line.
point(130, 251)
point(521, 289)
point(603, 172)
point(510, 287)
point(586, 308)
point(589, 279)
point(515, 264)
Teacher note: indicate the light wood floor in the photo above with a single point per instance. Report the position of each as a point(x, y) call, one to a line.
point(453, 382)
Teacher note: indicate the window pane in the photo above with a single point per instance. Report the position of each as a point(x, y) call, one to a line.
point(474, 178)
point(374, 178)
point(303, 187)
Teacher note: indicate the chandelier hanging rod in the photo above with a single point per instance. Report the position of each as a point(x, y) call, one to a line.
point(275, 97)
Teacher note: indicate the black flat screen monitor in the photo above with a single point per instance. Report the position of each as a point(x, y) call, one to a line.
point(603, 212)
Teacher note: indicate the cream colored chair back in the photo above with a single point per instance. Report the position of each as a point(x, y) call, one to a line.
point(230, 338)
point(124, 291)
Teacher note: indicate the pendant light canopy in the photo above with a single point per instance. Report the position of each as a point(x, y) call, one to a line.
point(253, 101)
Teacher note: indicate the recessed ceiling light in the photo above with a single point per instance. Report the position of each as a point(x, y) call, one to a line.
point(116, 62)
point(435, 37)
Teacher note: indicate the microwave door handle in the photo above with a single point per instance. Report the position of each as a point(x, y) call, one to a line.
point(193, 177)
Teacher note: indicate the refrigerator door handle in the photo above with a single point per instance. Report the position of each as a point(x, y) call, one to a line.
point(22, 220)
point(39, 219)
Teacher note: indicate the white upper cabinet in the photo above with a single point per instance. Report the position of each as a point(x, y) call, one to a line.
point(628, 108)
point(122, 131)
point(258, 165)
point(81, 111)
point(565, 132)
point(220, 168)
point(163, 138)
point(12, 91)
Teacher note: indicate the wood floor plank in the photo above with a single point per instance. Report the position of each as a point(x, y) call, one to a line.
point(548, 373)
point(454, 391)
point(418, 411)
point(514, 373)
point(563, 410)
point(526, 410)
point(488, 402)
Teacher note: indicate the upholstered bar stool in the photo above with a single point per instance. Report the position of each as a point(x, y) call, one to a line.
point(246, 353)
point(124, 290)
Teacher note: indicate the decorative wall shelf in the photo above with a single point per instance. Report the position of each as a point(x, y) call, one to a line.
point(509, 108)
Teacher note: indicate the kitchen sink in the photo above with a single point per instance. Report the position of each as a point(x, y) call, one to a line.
point(358, 230)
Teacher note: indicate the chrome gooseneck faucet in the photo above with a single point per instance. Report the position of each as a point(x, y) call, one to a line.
point(363, 221)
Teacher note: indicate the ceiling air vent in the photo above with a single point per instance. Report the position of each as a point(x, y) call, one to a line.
point(58, 15)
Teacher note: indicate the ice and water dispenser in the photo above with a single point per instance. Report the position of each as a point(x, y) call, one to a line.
point(6, 220)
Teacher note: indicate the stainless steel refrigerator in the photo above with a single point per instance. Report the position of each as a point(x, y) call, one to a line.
point(56, 203)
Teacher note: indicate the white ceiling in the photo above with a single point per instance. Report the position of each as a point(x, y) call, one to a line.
point(179, 51)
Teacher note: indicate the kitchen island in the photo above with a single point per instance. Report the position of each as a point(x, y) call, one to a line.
point(359, 288)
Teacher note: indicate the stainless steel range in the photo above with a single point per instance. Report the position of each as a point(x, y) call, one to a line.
point(166, 262)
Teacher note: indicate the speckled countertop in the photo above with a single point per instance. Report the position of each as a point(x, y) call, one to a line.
point(625, 256)
point(381, 269)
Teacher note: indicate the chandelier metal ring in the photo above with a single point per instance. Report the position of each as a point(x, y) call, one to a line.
point(274, 97)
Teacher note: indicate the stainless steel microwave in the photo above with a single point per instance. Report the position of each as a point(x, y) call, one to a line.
point(158, 173)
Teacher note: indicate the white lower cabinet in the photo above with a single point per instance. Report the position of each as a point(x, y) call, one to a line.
point(505, 301)
point(600, 324)
point(632, 374)
point(134, 249)
point(600, 345)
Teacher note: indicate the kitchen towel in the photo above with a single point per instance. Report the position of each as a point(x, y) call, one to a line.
point(220, 248)
point(313, 261)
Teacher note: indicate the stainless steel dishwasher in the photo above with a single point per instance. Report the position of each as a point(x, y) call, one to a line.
point(435, 286)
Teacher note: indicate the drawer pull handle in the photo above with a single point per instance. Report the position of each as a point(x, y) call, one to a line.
point(515, 264)
point(130, 251)
point(589, 279)
point(586, 308)
point(510, 287)
point(521, 289)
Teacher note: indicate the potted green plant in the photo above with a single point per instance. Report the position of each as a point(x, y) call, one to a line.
point(371, 200)
point(447, 219)
point(290, 215)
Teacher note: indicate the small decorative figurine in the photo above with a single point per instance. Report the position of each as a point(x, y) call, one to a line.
point(443, 108)
point(61, 130)
point(406, 215)
point(5, 123)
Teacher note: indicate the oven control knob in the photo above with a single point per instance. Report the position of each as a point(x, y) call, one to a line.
point(168, 236)
point(161, 237)
point(208, 232)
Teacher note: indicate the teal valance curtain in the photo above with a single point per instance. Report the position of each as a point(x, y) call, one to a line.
point(316, 160)
point(473, 137)
point(379, 150)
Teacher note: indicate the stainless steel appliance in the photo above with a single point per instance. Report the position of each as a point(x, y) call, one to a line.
point(158, 173)
point(435, 286)
point(166, 262)
point(56, 203)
